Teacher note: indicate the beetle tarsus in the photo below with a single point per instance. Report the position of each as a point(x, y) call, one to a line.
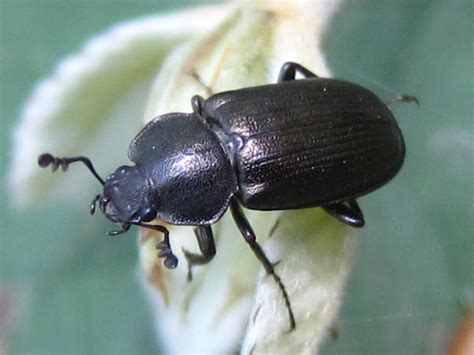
point(347, 212)
point(171, 262)
point(249, 236)
point(164, 251)
point(409, 98)
point(164, 247)
point(405, 98)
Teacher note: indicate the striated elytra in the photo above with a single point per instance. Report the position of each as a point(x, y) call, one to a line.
point(294, 144)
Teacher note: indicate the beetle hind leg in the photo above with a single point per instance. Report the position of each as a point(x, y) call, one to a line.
point(249, 236)
point(347, 212)
point(289, 69)
point(404, 98)
point(207, 247)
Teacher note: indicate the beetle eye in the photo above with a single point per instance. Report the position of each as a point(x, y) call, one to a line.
point(147, 215)
point(108, 209)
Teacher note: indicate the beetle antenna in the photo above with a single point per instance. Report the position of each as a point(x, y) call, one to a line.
point(46, 159)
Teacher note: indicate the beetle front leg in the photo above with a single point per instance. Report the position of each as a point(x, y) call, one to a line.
point(125, 228)
point(249, 236)
point(289, 69)
point(207, 247)
point(164, 247)
point(347, 212)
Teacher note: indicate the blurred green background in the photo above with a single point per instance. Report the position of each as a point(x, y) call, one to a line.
point(65, 288)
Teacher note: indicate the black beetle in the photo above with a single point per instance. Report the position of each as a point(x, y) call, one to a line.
point(295, 144)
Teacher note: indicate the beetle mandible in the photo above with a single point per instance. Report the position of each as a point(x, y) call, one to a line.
point(294, 144)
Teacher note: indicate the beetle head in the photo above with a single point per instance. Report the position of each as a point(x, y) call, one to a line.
point(126, 197)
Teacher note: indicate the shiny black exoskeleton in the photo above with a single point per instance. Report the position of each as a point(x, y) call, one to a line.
point(295, 144)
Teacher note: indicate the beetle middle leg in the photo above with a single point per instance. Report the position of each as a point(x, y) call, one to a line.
point(201, 82)
point(289, 69)
point(196, 103)
point(249, 236)
point(207, 247)
point(347, 212)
